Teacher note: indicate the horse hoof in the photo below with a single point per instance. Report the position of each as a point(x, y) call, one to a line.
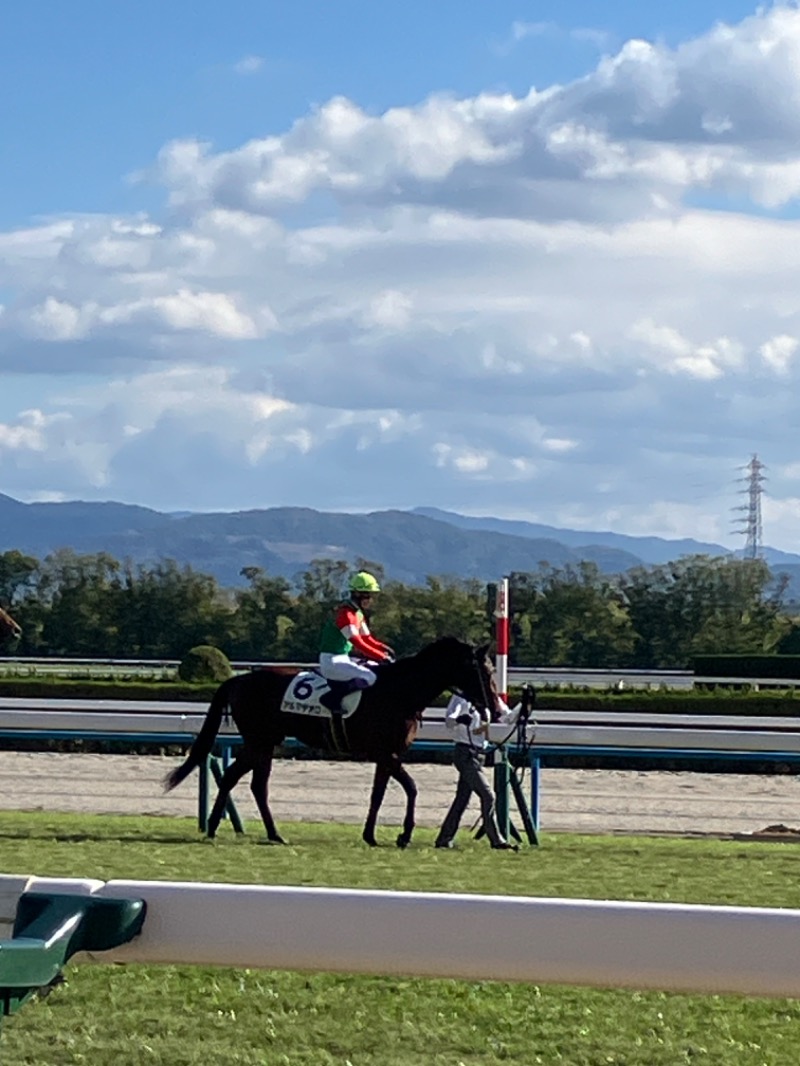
point(277, 839)
point(403, 841)
point(370, 841)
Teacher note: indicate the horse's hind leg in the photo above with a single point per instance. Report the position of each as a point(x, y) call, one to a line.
point(379, 783)
point(259, 786)
point(408, 785)
point(230, 779)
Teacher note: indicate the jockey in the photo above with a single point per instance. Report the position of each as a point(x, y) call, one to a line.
point(345, 634)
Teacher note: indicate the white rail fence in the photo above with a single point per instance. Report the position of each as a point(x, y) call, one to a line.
point(551, 729)
point(671, 947)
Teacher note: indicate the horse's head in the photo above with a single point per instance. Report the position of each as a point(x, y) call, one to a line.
point(9, 629)
point(471, 672)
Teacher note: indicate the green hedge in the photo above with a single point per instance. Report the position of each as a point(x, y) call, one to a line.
point(775, 703)
point(66, 688)
point(778, 666)
point(204, 664)
point(718, 701)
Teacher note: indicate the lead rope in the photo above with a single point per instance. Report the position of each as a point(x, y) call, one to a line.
point(523, 742)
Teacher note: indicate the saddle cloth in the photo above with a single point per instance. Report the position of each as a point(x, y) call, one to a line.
point(302, 697)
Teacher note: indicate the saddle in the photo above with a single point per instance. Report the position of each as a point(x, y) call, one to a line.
point(304, 693)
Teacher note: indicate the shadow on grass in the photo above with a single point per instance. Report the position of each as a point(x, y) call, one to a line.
point(101, 838)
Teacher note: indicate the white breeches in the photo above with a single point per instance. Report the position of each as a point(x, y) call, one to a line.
point(343, 668)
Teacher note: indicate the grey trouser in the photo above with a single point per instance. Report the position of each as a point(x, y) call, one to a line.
point(471, 778)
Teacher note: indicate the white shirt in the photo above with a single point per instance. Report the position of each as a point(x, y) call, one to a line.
point(474, 733)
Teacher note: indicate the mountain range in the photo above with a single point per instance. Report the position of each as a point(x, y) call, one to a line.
point(411, 545)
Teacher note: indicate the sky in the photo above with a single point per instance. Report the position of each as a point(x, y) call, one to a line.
point(536, 261)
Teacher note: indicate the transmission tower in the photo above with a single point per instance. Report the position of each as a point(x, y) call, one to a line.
point(750, 525)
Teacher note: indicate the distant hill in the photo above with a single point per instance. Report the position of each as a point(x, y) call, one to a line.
point(651, 550)
point(411, 545)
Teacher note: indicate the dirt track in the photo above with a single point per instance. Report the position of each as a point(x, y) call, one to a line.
point(577, 800)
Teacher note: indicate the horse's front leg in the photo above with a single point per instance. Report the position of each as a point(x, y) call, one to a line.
point(379, 783)
point(408, 785)
point(259, 786)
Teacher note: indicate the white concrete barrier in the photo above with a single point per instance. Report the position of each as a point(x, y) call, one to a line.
point(672, 947)
point(702, 734)
point(80, 723)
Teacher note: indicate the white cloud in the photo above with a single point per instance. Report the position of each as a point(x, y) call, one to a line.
point(554, 444)
point(719, 113)
point(502, 298)
point(56, 320)
point(389, 309)
point(521, 31)
point(29, 434)
point(249, 64)
point(778, 352)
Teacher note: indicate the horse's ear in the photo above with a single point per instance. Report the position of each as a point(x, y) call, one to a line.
point(482, 652)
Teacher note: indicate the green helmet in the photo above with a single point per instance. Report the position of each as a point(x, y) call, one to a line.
point(364, 582)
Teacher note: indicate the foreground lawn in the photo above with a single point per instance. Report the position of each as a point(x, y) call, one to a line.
point(184, 1017)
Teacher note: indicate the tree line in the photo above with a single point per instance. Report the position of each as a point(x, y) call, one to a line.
point(651, 617)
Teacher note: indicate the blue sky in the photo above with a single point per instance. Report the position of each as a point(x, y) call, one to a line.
point(535, 260)
point(96, 88)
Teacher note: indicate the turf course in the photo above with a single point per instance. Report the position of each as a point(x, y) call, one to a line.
point(173, 1016)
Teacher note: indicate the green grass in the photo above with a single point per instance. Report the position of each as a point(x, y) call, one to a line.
point(179, 1016)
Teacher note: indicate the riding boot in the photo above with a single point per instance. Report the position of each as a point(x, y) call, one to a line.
point(338, 690)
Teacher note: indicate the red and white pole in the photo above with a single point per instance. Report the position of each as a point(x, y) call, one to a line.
point(502, 635)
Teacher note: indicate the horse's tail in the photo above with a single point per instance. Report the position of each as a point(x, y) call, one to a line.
point(204, 741)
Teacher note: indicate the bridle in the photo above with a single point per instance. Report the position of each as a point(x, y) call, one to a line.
point(520, 726)
point(485, 697)
point(484, 687)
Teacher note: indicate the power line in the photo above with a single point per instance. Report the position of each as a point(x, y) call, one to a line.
point(750, 525)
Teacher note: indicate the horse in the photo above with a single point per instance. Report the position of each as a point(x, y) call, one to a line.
point(380, 730)
point(9, 629)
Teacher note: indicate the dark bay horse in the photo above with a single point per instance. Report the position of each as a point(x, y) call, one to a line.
point(380, 730)
point(9, 629)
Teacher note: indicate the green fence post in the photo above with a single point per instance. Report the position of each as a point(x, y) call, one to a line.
point(230, 806)
point(501, 785)
point(202, 796)
point(524, 811)
point(49, 928)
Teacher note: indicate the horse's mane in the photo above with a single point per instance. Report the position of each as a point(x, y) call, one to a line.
point(429, 653)
point(282, 671)
point(409, 671)
point(441, 644)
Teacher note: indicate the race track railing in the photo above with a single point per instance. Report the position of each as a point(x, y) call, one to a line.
point(607, 944)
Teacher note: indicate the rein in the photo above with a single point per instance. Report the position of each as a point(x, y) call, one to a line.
point(519, 727)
